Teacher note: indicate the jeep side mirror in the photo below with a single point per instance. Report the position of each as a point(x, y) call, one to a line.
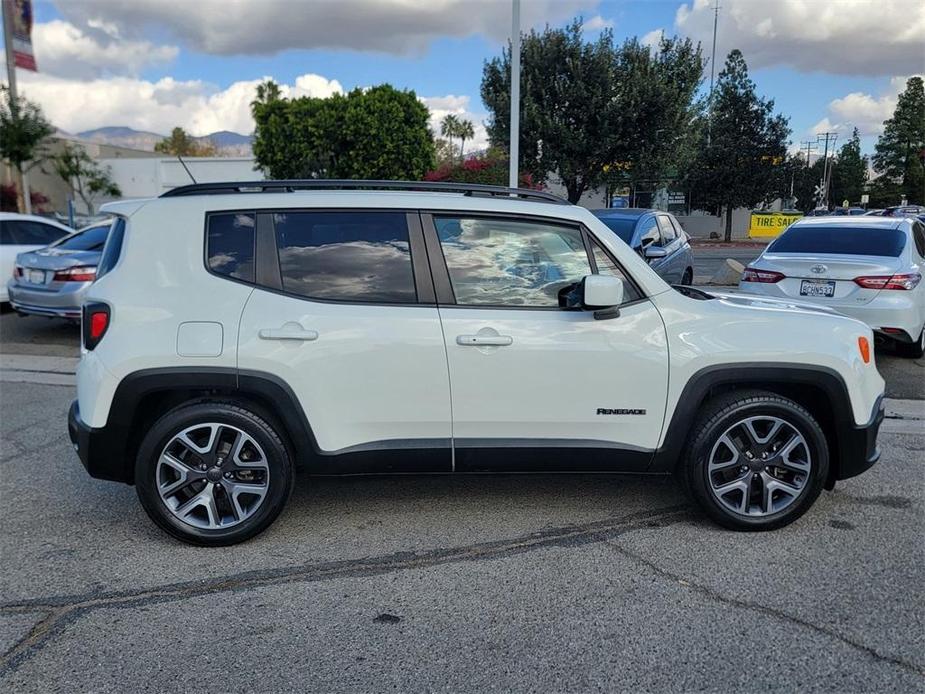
point(603, 295)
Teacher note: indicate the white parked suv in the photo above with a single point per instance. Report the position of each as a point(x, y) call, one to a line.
point(239, 331)
point(869, 268)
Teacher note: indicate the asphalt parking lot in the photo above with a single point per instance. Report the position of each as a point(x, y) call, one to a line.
point(471, 583)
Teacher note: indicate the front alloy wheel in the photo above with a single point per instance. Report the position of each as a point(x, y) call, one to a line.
point(755, 460)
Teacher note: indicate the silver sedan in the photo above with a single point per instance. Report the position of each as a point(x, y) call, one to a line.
point(52, 281)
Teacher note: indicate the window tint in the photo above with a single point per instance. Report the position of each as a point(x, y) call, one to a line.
point(346, 256)
point(622, 227)
point(606, 266)
point(231, 244)
point(499, 262)
point(918, 234)
point(860, 240)
point(666, 229)
point(28, 233)
point(92, 239)
point(113, 248)
point(649, 234)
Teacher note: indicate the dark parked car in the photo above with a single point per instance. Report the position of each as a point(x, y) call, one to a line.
point(657, 236)
point(52, 281)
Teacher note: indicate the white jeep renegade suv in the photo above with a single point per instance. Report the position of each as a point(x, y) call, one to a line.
point(239, 331)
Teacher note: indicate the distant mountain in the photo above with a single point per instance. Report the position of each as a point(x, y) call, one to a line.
point(123, 137)
point(229, 144)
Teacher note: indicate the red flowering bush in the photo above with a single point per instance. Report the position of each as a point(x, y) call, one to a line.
point(490, 168)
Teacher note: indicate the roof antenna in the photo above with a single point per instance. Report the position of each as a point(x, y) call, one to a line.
point(180, 159)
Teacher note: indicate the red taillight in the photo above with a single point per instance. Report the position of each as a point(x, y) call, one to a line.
point(95, 323)
point(17, 271)
point(76, 274)
point(909, 281)
point(766, 276)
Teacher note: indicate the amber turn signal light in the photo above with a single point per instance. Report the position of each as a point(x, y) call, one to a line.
point(864, 349)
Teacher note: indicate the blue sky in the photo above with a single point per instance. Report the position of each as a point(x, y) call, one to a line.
point(159, 61)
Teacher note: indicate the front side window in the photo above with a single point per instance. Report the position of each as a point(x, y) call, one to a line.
point(230, 244)
point(649, 234)
point(501, 262)
point(346, 256)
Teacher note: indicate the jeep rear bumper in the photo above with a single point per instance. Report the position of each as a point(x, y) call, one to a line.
point(99, 451)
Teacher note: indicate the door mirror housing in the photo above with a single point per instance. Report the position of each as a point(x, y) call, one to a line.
point(603, 295)
point(655, 252)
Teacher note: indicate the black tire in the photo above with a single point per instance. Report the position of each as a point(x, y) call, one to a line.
point(279, 480)
point(913, 350)
point(687, 278)
point(721, 413)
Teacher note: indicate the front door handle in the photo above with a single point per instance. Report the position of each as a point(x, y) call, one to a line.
point(290, 331)
point(484, 340)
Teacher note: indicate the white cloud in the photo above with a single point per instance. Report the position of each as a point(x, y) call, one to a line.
point(399, 27)
point(862, 111)
point(653, 38)
point(441, 106)
point(98, 49)
point(851, 37)
point(158, 106)
point(597, 23)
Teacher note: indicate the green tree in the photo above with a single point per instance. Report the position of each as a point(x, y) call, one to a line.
point(185, 145)
point(452, 127)
point(742, 153)
point(84, 176)
point(589, 110)
point(900, 152)
point(849, 173)
point(23, 129)
point(444, 152)
point(375, 133)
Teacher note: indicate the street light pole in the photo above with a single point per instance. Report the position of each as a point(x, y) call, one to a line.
point(513, 178)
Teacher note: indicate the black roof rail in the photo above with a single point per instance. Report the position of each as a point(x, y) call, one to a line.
point(230, 188)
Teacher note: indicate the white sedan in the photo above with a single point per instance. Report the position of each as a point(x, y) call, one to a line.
point(20, 233)
point(869, 268)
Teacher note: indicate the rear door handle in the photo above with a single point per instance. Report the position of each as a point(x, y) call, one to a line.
point(483, 340)
point(288, 332)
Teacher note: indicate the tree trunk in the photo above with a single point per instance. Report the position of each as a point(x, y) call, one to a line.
point(20, 195)
point(462, 149)
point(728, 222)
point(574, 189)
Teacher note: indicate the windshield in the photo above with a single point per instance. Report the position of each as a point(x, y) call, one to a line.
point(91, 239)
point(860, 240)
point(621, 226)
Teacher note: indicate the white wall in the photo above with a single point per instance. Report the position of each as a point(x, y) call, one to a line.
point(146, 178)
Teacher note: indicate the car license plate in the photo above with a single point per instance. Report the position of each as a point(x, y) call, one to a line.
point(37, 276)
point(817, 288)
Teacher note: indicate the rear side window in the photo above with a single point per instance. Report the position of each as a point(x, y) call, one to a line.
point(230, 244)
point(346, 256)
point(859, 240)
point(29, 233)
point(113, 248)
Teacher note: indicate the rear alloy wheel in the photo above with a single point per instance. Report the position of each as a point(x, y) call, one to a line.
point(758, 460)
point(213, 473)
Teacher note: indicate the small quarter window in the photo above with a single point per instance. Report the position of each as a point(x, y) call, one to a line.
point(231, 244)
point(606, 266)
point(112, 249)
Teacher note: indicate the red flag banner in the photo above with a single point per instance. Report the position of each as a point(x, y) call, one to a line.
point(21, 15)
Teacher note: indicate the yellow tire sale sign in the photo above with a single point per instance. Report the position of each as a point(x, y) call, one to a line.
point(770, 223)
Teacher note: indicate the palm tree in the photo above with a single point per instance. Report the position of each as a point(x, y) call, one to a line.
point(465, 131)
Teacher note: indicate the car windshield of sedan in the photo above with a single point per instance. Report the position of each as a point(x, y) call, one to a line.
point(839, 240)
point(621, 226)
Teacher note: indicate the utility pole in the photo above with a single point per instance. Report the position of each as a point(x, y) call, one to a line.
point(810, 145)
point(513, 177)
point(712, 73)
point(826, 169)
